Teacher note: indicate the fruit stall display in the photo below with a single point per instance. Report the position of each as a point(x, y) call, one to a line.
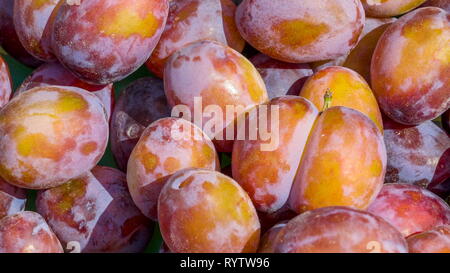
point(357, 92)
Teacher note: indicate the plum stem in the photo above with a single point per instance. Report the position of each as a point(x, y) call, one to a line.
point(327, 98)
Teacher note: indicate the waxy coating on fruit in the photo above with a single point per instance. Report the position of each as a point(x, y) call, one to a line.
point(418, 155)
point(410, 208)
point(103, 41)
point(389, 8)
point(267, 176)
point(360, 58)
point(443, 4)
point(27, 232)
point(5, 83)
point(50, 135)
point(269, 239)
point(165, 147)
point(97, 212)
point(343, 163)
point(410, 67)
point(9, 40)
point(12, 199)
point(436, 240)
point(31, 21)
point(205, 211)
point(301, 31)
point(55, 74)
point(194, 20)
point(369, 25)
point(281, 78)
point(140, 103)
point(339, 230)
point(348, 89)
point(227, 79)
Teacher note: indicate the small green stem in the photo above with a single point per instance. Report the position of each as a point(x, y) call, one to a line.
point(327, 99)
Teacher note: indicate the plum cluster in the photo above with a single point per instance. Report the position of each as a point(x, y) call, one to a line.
point(355, 94)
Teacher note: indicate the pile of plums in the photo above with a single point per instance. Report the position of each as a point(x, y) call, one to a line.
point(356, 94)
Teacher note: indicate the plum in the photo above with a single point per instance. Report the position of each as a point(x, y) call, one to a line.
point(347, 89)
point(31, 21)
point(339, 230)
point(267, 175)
point(9, 40)
point(310, 160)
point(96, 211)
point(103, 41)
point(12, 199)
point(205, 211)
point(410, 208)
point(166, 146)
point(418, 155)
point(27, 232)
point(343, 164)
point(436, 240)
point(55, 74)
point(50, 135)
point(301, 31)
point(410, 67)
point(140, 103)
point(227, 79)
point(389, 8)
point(5, 83)
point(194, 20)
point(281, 78)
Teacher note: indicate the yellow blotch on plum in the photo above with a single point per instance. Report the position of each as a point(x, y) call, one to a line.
point(70, 192)
point(298, 33)
point(125, 22)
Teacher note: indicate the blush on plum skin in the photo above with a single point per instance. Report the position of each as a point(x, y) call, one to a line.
point(96, 211)
point(443, 4)
point(269, 239)
point(268, 175)
point(203, 211)
point(9, 40)
point(327, 173)
point(339, 230)
point(140, 103)
point(436, 240)
point(103, 41)
point(50, 135)
point(418, 155)
point(411, 89)
point(158, 155)
point(281, 78)
point(12, 199)
point(194, 20)
point(360, 58)
point(5, 83)
point(410, 209)
point(301, 31)
point(228, 79)
point(55, 74)
point(348, 89)
point(27, 232)
point(31, 20)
